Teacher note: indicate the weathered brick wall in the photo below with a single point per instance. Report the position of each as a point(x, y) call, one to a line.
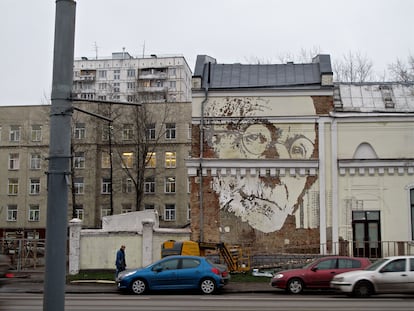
point(223, 226)
point(323, 104)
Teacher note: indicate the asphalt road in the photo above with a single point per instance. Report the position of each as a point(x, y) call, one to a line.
point(240, 302)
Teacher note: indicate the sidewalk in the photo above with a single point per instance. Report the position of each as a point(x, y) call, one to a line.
point(33, 282)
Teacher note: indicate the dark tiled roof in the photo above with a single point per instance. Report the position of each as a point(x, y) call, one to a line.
point(260, 75)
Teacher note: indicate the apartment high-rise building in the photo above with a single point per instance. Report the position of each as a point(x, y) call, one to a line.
point(142, 150)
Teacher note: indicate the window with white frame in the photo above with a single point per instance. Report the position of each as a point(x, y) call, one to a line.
point(126, 208)
point(116, 87)
point(34, 213)
point(170, 131)
point(149, 184)
point(151, 160)
point(13, 186)
point(131, 73)
point(131, 98)
point(117, 74)
point(79, 159)
point(127, 132)
point(106, 160)
point(188, 211)
point(131, 85)
point(172, 72)
point(127, 159)
point(14, 133)
point(102, 86)
point(127, 185)
point(150, 131)
point(189, 132)
point(170, 184)
point(102, 74)
point(79, 185)
point(79, 213)
point(12, 212)
point(36, 133)
point(188, 185)
point(34, 186)
point(170, 159)
point(106, 186)
point(35, 160)
point(80, 131)
point(105, 211)
point(14, 162)
point(169, 212)
point(173, 85)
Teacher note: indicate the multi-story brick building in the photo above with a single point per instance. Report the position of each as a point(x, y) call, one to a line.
point(148, 97)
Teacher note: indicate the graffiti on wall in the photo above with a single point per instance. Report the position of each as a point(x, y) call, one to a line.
point(264, 202)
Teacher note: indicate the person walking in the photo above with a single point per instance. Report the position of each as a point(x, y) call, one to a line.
point(120, 261)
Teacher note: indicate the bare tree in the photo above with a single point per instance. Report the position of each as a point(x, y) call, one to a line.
point(353, 67)
point(148, 122)
point(303, 56)
point(402, 71)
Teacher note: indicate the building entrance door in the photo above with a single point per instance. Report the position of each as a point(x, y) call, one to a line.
point(367, 234)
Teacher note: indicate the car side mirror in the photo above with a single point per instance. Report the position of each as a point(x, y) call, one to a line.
point(314, 269)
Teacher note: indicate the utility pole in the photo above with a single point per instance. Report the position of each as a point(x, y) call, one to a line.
point(59, 156)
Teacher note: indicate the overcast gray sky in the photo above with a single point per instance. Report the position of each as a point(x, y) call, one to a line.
point(228, 30)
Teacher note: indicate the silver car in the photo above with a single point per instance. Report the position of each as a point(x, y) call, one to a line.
point(388, 275)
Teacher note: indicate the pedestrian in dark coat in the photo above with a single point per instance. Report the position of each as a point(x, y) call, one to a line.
point(120, 261)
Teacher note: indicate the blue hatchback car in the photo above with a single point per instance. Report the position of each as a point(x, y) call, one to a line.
point(175, 273)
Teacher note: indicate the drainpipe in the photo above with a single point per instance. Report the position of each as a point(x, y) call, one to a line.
point(322, 186)
point(335, 202)
point(200, 169)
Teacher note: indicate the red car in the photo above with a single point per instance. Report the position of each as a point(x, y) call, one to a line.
point(317, 274)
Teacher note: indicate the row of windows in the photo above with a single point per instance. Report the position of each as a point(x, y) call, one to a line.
point(127, 186)
point(106, 185)
point(34, 211)
point(15, 133)
point(34, 161)
point(115, 87)
point(127, 132)
point(131, 73)
point(13, 186)
point(33, 214)
point(80, 132)
point(127, 160)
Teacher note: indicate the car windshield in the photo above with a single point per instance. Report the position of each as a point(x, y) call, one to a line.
point(376, 264)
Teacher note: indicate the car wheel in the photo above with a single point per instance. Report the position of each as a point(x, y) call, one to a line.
point(138, 287)
point(363, 289)
point(207, 286)
point(295, 286)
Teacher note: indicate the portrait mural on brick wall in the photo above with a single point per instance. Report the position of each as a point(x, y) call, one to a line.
point(264, 202)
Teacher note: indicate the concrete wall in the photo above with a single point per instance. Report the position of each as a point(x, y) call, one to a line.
point(96, 249)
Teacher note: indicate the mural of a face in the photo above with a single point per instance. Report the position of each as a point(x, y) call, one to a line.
point(262, 201)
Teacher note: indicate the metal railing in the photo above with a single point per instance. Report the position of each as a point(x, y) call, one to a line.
point(29, 253)
point(24, 253)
